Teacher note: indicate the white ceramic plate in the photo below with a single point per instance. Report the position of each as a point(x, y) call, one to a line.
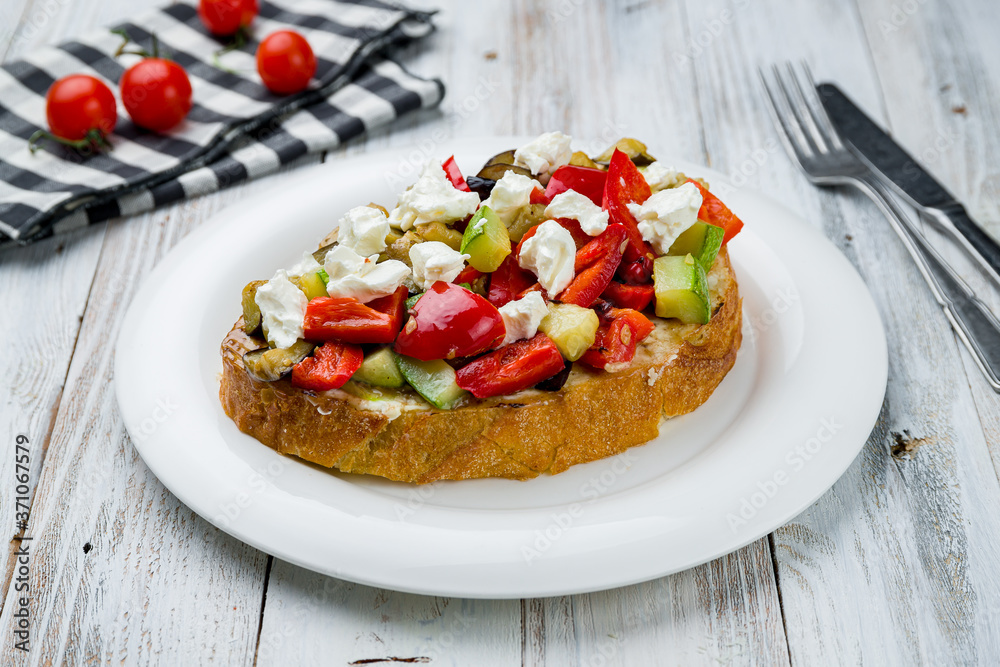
point(781, 428)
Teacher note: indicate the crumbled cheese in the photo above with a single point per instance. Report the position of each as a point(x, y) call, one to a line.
point(667, 214)
point(659, 176)
point(363, 229)
point(363, 278)
point(510, 194)
point(617, 367)
point(654, 375)
point(573, 205)
point(550, 255)
point(433, 261)
point(522, 317)
point(307, 264)
point(282, 307)
point(545, 154)
point(432, 198)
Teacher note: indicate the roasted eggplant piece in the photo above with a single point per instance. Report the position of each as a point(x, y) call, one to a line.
point(438, 231)
point(580, 159)
point(495, 172)
point(507, 157)
point(251, 313)
point(270, 364)
point(481, 186)
point(527, 217)
point(556, 382)
point(320, 255)
point(635, 149)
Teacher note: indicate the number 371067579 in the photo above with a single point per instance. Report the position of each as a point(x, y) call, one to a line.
point(22, 462)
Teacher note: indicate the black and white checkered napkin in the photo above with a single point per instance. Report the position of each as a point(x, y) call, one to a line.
point(236, 130)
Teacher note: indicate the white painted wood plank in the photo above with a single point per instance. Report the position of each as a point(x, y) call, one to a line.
point(723, 612)
point(892, 565)
point(312, 619)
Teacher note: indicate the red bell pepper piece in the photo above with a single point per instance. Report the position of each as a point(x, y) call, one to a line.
point(616, 340)
point(508, 281)
point(512, 368)
point(455, 174)
point(714, 212)
point(449, 321)
point(636, 297)
point(580, 237)
point(347, 320)
point(626, 185)
point(595, 265)
point(330, 367)
point(467, 275)
point(588, 181)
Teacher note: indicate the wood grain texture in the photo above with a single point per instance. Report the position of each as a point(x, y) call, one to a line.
point(890, 566)
point(895, 565)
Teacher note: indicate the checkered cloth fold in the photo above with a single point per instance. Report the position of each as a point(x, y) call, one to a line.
point(236, 130)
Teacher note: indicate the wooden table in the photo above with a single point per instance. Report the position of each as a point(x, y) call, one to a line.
point(897, 564)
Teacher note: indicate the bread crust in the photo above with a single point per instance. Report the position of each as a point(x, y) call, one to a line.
point(596, 415)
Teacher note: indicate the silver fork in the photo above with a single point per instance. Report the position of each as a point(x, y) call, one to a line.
point(812, 142)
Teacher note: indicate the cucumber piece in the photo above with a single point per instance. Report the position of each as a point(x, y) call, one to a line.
point(412, 301)
point(681, 289)
point(702, 241)
point(572, 328)
point(485, 241)
point(434, 380)
point(368, 392)
point(311, 284)
point(379, 369)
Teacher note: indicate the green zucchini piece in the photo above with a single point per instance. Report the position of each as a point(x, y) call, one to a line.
point(310, 283)
point(379, 369)
point(681, 289)
point(701, 240)
point(434, 380)
point(485, 241)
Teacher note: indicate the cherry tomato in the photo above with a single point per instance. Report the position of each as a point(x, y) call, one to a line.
point(225, 17)
point(156, 93)
point(77, 104)
point(285, 62)
point(450, 321)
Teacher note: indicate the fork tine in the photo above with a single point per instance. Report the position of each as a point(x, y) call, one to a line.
point(790, 136)
point(799, 108)
point(819, 111)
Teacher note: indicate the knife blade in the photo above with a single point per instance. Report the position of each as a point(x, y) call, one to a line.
point(899, 169)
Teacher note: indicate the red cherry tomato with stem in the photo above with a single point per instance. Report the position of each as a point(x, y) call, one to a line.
point(156, 93)
point(285, 62)
point(81, 113)
point(226, 17)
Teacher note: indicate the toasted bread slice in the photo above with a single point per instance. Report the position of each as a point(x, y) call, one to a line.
point(595, 415)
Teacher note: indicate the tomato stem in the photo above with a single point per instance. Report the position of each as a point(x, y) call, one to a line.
point(138, 51)
point(240, 39)
point(94, 141)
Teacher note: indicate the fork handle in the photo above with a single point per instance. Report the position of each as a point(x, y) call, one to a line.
point(976, 326)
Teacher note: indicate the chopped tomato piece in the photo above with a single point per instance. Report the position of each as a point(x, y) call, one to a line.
point(626, 185)
point(508, 281)
point(449, 321)
point(348, 320)
point(539, 197)
point(330, 367)
point(616, 340)
point(714, 212)
point(636, 297)
point(513, 367)
point(455, 174)
point(595, 265)
point(588, 181)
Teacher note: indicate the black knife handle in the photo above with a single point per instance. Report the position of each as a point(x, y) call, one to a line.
point(976, 240)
